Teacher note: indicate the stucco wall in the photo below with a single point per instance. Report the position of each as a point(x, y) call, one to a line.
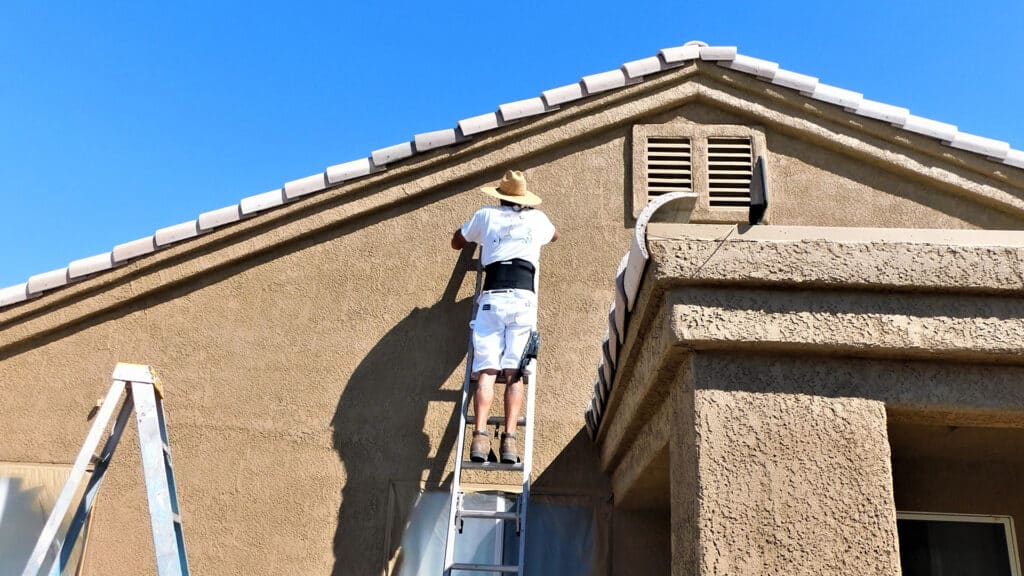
point(303, 381)
point(793, 484)
point(308, 371)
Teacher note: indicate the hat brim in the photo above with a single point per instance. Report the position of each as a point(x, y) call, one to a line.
point(528, 199)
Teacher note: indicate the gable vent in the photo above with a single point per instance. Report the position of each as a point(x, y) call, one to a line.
point(730, 169)
point(668, 166)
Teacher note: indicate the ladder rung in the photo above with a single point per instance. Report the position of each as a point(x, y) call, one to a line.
point(486, 568)
point(493, 420)
point(470, 465)
point(489, 514)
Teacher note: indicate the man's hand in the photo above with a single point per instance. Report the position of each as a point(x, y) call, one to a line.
point(458, 240)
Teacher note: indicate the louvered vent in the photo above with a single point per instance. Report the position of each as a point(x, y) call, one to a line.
point(668, 166)
point(730, 170)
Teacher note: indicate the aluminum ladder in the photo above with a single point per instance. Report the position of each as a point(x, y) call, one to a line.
point(139, 388)
point(457, 513)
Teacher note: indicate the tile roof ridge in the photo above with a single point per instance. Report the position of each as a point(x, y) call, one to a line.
point(628, 74)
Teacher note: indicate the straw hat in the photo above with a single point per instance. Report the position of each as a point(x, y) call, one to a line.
point(513, 189)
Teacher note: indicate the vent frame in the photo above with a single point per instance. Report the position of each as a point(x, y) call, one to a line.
point(706, 169)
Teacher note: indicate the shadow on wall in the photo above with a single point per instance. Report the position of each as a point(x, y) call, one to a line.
point(379, 422)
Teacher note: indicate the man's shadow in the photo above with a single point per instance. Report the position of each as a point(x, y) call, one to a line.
point(379, 422)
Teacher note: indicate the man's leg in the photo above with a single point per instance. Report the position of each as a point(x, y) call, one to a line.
point(480, 448)
point(483, 397)
point(509, 451)
point(513, 399)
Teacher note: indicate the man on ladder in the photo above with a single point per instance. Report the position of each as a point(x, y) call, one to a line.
point(510, 238)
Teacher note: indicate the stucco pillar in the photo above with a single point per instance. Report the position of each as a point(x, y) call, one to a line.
point(781, 483)
point(683, 480)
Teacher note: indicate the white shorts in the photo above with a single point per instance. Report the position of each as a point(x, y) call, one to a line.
point(504, 320)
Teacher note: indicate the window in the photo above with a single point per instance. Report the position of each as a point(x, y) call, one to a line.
point(27, 494)
point(715, 161)
point(941, 544)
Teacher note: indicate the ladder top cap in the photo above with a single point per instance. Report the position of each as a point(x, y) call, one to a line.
point(134, 373)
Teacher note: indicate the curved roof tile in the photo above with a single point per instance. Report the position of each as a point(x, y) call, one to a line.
point(629, 73)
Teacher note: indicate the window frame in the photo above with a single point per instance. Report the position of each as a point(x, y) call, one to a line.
point(698, 135)
point(1006, 521)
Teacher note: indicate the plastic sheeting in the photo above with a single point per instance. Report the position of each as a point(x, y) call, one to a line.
point(27, 494)
point(561, 538)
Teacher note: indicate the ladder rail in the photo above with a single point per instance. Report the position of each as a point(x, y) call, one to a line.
point(163, 519)
point(92, 488)
point(63, 503)
point(524, 498)
point(172, 483)
point(456, 488)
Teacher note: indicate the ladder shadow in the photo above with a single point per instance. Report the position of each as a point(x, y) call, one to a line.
point(384, 408)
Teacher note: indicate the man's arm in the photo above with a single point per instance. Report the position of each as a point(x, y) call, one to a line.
point(554, 237)
point(458, 240)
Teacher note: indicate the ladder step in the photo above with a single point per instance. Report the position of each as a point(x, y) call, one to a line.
point(470, 465)
point(486, 568)
point(489, 514)
point(494, 420)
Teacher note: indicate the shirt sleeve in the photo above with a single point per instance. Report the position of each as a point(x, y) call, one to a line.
point(545, 229)
point(473, 229)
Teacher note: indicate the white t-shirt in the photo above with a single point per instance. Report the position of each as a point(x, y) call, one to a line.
point(504, 233)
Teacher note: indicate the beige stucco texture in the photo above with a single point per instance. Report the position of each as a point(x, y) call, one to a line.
point(772, 363)
point(313, 354)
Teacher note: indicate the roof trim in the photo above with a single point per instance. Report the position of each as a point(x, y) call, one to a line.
point(628, 74)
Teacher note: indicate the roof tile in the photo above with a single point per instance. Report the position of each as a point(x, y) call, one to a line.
point(481, 123)
point(717, 53)
point(563, 94)
point(133, 249)
point(750, 65)
point(840, 97)
point(522, 109)
point(680, 54)
point(384, 156)
point(604, 81)
point(643, 67)
point(47, 280)
point(435, 139)
point(176, 233)
point(882, 111)
point(794, 80)
point(929, 127)
point(350, 170)
point(91, 265)
point(14, 294)
point(303, 186)
point(1015, 158)
point(260, 202)
point(980, 145)
point(219, 217)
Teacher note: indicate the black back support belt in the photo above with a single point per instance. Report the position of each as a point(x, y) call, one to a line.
point(505, 274)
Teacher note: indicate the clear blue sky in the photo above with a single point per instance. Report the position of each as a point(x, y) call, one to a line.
point(119, 118)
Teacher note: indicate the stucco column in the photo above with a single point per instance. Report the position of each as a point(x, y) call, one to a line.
point(781, 483)
point(683, 487)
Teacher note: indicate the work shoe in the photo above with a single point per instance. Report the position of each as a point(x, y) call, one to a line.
point(481, 446)
point(509, 454)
